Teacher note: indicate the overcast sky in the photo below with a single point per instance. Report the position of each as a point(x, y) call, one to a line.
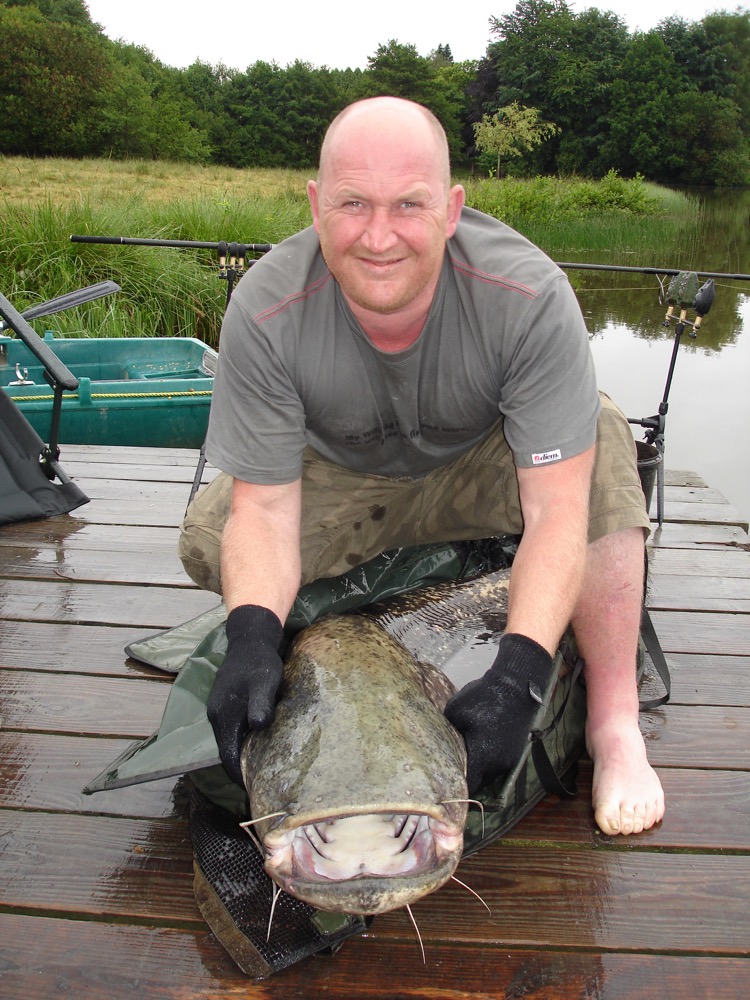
point(335, 33)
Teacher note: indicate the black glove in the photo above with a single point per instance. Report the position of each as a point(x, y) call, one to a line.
point(244, 693)
point(494, 712)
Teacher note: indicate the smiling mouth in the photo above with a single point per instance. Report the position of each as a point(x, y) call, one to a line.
point(378, 265)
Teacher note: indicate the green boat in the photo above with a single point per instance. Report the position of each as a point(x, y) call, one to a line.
point(143, 391)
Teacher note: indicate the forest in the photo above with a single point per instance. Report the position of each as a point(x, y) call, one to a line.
point(671, 105)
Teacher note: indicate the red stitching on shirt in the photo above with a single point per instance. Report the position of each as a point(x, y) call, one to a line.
point(494, 279)
point(300, 296)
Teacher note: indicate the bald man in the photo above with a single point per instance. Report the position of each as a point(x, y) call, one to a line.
point(410, 371)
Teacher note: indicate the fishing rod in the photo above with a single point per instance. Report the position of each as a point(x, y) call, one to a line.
point(180, 244)
point(233, 260)
point(670, 271)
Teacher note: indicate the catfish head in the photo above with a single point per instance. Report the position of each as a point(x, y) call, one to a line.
point(357, 789)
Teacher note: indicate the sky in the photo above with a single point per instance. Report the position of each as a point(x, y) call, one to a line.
point(334, 33)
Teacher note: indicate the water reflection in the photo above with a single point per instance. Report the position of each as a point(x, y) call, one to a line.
point(709, 403)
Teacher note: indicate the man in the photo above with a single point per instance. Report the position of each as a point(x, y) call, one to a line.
point(410, 371)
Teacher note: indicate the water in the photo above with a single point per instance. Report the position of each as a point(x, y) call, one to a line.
point(708, 421)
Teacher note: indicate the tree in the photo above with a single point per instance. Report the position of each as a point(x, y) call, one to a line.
point(532, 41)
point(581, 89)
point(144, 112)
point(73, 12)
point(726, 67)
point(279, 115)
point(642, 138)
point(708, 129)
point(511, 132)
point(52, 74)
point(441, 56)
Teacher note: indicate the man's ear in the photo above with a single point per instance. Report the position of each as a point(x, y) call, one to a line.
point(456, 200)
point(312, 194)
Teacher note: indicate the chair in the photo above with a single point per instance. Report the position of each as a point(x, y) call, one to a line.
point(28, 466)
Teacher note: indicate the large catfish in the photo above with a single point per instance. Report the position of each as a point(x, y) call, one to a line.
point(357, 790)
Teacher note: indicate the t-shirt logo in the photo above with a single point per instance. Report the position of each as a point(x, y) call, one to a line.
point(542, 457)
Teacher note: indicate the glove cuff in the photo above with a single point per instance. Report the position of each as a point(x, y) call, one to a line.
point(519, 655)
point(256, 623)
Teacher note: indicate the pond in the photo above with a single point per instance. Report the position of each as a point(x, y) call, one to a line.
point(708, 421)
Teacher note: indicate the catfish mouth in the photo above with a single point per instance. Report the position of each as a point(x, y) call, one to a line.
point(364, 863)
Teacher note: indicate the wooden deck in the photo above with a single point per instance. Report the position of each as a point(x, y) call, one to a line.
point(96, 893)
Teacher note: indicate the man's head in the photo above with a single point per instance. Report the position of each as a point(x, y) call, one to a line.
point(383, 206)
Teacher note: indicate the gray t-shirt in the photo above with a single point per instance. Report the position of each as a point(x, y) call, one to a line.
point(505, 335)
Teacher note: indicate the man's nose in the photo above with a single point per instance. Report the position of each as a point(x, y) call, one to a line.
point(379, 234)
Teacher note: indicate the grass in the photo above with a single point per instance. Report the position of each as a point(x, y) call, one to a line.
point(177, 292)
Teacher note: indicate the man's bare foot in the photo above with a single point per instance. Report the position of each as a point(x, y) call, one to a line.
point(626, 795)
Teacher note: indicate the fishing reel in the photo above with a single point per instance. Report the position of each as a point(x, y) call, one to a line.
point(231, 260)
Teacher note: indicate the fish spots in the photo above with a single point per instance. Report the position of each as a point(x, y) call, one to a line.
point(377, 513)
point(353, 558)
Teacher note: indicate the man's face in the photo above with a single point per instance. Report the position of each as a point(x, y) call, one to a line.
point(383, 213)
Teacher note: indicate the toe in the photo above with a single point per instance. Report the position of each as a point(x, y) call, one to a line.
point(607, 818)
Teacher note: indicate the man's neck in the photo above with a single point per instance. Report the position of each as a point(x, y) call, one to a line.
point(396, 331)
point(391, 337)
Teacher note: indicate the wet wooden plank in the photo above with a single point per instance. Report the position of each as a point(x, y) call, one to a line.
point(702, 680)
point(145, 472)
point(683, 477)
point(699, 593)
point(729, 562)
point(67, 533)
point(160, 564)
point(697, 536)
point(706, 811)
point(134, 512)
point(699, 492)
point(44, 957)
point(64, 648)
point(690, 511)
point(94, 603)
point(138, 458)
point(48, 773)
point(702, 632)
point(699, 736)
point(135, 491)
point(113, 867)
point(81, 703)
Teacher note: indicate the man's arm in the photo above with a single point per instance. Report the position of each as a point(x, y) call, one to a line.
point(494, 713)
point(260, 550)
point(260, 571)
point(548, 570)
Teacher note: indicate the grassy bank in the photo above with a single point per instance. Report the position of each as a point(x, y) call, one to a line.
point(168, 292)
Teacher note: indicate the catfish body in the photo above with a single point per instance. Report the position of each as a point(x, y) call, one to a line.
point(361, 777)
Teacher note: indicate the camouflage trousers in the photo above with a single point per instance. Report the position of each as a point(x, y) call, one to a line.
point(349, 517)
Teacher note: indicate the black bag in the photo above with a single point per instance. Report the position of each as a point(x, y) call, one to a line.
point(26, 492)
